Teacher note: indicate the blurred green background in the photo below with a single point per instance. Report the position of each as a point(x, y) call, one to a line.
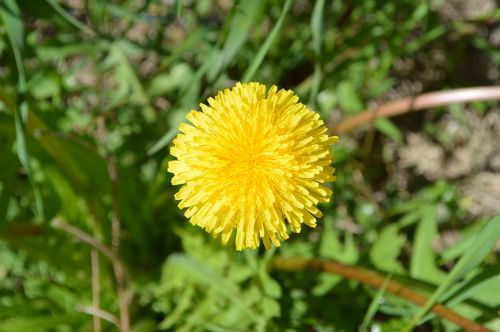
point(92, 93)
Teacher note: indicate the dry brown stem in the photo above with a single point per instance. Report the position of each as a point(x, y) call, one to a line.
point(416, 103)
point(375, 280)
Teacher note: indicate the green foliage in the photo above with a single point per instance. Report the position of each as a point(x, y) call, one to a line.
point(89, 84)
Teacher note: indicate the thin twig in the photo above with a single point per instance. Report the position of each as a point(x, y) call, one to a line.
point(96, 289)
point(376, 280)
point(420, 102)
point(123, 297)
point(102, 314)
point(84, 237)
point(118, 270)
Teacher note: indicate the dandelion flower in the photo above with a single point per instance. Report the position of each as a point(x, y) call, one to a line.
point(252, 161)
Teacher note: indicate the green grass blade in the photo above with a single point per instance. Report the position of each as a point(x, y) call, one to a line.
point(482, 245)
point(70, 19)
point(317, 37)
point(479, 289)
point(10, 14)
point(317, 26)
point(13, 25)
point(178, 8)
point(241, 23)
point(374, 305)
point(252, 69)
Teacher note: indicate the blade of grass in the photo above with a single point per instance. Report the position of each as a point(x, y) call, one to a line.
point(250, 72)
point(479, 288)
point(241, 22)
point(482, 245)
point(317, 37)
point(10, 15)
point(70, 19)
point(317, 25)
point(178, 8)
point(375, 304)
point(12, 22)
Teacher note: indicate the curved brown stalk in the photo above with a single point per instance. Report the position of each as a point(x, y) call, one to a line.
point(419, 102)
point(375, 280)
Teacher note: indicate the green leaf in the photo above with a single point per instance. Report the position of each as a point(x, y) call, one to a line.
point(348, 98)
point(389, 129)
point(386, 250)
point(423, 261)
point(183, 304)
point(269, 285)
point(191, 269)
point(45, 85)
point(483, 243)
point(419, 14)
point(332, 247)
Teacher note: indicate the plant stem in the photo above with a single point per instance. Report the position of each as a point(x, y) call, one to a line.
point(84, 237)
point(96, 312)
point(115, 247)
point(96, 289)
point(113, 255)
point(416, 103)
point(375, 280)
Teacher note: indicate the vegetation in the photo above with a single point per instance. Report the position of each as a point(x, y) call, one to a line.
point(92, 93)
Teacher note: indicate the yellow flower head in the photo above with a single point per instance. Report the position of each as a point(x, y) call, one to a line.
point(251, 160)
